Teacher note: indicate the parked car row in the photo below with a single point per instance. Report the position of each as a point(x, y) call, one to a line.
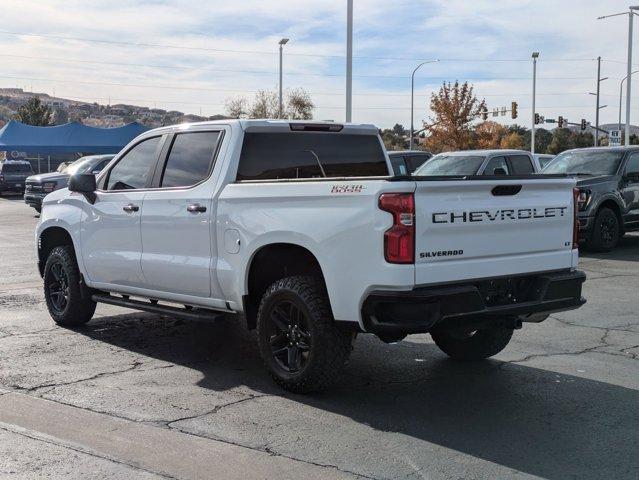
point(36, 187)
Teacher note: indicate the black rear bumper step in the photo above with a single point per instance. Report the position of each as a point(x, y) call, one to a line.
point(189, 313)
point(528, 298)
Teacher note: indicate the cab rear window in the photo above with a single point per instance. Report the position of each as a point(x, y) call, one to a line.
point(272, 156)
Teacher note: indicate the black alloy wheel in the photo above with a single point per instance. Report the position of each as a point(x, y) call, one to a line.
point(58, 288)
point(289, 335)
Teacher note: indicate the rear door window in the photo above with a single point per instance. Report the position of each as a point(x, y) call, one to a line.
point(190, 159)
point(496, 165)
point(270, 156)
point(521, 165)
point(413, 162)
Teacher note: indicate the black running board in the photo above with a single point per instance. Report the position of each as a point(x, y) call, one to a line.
point(189, 313)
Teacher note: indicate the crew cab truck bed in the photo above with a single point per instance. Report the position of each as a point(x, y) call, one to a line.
point(300, 230)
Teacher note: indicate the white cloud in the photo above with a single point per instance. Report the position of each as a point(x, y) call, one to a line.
point(480, 32)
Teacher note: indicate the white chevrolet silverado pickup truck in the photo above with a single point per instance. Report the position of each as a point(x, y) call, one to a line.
point(301, 231)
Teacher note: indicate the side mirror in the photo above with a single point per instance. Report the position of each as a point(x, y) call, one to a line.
point(632, 176)
point(84, 183)
point(499, 171)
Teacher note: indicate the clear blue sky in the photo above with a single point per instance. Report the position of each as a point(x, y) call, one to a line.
point(230, 49)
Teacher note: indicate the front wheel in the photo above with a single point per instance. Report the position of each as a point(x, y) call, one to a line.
point(299, 342)
point(62, 290)
point(473, 344)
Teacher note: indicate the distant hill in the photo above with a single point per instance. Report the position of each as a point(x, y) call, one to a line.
point(95, 114)
point(634, 129)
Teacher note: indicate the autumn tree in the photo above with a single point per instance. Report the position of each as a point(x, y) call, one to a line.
point(297, 105)
point(512, 141)
point(455, 107)
point(34, 112)
point(489, 134)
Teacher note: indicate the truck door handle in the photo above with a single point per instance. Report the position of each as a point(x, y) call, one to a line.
point(196, 208)
point(130, 208)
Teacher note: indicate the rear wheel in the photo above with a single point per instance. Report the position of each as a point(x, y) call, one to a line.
point(299, 342)
point(606, 231)
point(473, 344)
point(62, 290)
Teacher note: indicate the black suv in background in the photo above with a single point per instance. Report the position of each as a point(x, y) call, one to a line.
point(608, 181)
point(405, 162)
point(13, 174)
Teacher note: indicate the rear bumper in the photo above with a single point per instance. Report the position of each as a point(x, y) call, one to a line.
point(528, 298)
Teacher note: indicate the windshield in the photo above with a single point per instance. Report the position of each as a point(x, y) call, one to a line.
point(444, 164)
point(585, 162)
point(17, 168)
point(81, 165)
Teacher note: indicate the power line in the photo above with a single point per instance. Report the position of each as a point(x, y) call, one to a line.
point(258, 52)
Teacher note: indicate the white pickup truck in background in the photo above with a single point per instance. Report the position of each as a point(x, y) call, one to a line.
point(300, 229)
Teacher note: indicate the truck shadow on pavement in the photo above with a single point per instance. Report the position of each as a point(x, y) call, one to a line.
point(540, 422)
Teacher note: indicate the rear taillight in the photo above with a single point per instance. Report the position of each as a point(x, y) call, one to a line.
point(399, 240)
point(575, 225)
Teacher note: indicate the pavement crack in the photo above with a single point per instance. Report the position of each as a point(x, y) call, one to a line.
point(213, 410)
point(54, 385)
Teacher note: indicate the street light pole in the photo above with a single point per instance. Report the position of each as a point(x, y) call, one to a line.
point(412, 100)
point(282, 42)
point(535, 55)
point(349, 61)
point(621, 96)
point(630, 14)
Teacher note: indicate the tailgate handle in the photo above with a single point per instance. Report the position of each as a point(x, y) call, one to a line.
point(504, 190)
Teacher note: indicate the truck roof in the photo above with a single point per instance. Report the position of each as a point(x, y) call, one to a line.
point(251, 125)
point(496, 151)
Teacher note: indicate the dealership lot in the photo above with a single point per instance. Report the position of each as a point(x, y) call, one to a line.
point(136, 394)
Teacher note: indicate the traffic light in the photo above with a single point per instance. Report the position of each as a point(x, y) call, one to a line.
point(513, 110)
point(583, 123)
point(560, 121)
point(484, 113)
point(537, 119)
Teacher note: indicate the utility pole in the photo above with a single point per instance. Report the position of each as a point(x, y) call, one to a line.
point(281, 43)
point(535, 55)
point(349, 61)
point(597, 108)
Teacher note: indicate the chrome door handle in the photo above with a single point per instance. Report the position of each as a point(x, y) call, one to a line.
point(130, 208)
point(196, 208)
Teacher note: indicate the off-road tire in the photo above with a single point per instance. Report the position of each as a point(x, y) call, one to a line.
point(606, 231)
point(476, 345)
point(330, 346)
point(77, 309)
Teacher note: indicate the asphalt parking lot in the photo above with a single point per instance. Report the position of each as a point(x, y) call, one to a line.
point(136, 395)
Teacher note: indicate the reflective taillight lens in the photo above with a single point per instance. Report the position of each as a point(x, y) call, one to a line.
point(575, 226)
point(399, 240)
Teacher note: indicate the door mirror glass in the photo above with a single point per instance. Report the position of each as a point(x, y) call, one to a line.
point(83, 183)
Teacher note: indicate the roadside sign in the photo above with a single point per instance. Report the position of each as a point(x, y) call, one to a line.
point(614, 138)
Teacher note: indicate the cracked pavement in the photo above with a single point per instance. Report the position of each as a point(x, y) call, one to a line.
point(561, 401)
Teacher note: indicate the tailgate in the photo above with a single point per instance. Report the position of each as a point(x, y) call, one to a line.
point(480, 228)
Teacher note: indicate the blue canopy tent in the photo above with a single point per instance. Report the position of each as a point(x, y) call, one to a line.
point(67, 138)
